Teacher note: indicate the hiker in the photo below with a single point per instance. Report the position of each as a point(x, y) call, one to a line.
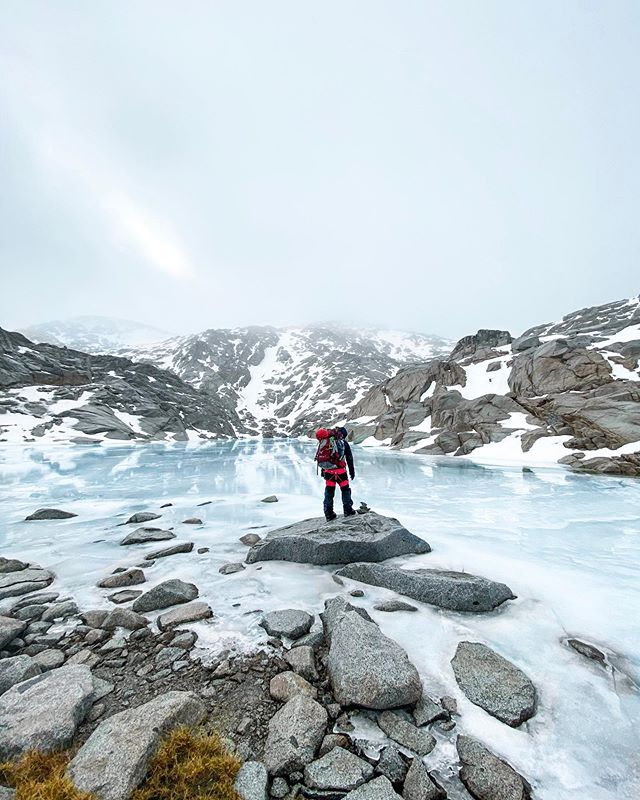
point(333, 457)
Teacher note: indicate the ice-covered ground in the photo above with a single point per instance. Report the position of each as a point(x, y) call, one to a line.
point(568, 545)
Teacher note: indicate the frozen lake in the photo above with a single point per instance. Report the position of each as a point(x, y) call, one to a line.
point(567, 545)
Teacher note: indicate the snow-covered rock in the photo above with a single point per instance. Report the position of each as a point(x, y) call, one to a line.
point(570, 388)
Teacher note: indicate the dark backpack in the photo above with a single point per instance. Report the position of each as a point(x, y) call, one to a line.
point(330, 452)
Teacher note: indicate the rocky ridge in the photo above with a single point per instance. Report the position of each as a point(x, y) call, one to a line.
point(50, 393)
point(567, 391)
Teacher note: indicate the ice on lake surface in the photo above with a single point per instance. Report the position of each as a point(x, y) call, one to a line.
point(568, 545)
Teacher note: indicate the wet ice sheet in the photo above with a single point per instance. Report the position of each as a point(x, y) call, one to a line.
point(569, 547)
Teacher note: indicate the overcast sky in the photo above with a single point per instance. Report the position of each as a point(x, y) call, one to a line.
point(430, 166)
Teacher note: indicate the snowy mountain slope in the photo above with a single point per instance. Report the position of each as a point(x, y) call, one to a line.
point(95, 334)
point(568, 391)
point(287, 381)
point(57, 394)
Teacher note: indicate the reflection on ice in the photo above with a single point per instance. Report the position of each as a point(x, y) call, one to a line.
point(568, 546)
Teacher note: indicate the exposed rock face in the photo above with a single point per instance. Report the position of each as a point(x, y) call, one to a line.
point(114, 759)
point(295, 733)
point(493, 683)
point(162, 405)
point(337, 770)
point(578, 379)
point(43, 712)
point(365, 667)
point(165, 594)
point(367, 537)
point(488, 777)
point(9, 629)
point(457, 591)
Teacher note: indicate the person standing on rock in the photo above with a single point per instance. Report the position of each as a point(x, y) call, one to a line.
point(334, 457)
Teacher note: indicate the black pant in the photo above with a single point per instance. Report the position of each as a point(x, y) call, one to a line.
point(339, 478)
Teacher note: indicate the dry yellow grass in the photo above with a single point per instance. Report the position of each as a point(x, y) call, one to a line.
point(41, 777)
point(190, 766)
point(187, 766)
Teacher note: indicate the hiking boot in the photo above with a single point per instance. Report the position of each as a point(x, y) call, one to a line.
point(350, 513)
point(330, 515)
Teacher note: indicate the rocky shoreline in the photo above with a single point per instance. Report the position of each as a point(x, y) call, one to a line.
point(292, 711)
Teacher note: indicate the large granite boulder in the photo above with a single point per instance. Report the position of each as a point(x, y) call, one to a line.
point(143, 535)
point(488, 777)
point(49, 513)
point(130, 577)
point(252, 781)
point(338, 770)
point(115, 758)
point(558, 366)
point(24, 581)
point(295, 733)
point(43, 712)
point(419, 785)
point(406, 733)
point(378, 789)
point(365, 667)
point(458, 591)
point(290, 622)
point(493, 683)
point(366, 537)
point(165, 594)
point(188, 612)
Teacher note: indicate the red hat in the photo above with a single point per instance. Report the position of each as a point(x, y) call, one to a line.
point(322, 433)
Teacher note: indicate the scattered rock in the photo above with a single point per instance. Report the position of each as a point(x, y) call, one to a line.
point(142, 535)
point(271, 499)
point(295, 733)
point(11, 565)
point(202, 550)
point(392, 765)
point(94, 617)
point(405, 733)
point(450, 704)
point(182, 547)
point(125, 596)
point(142, 517)
point(165, 594)
point(457, 591)
point(377, 789)
point(427, 711)
point(189, 612)
point(493, 683)
point(250, 539)
point(115, 758)
point(17, 669)
point(10, 628)
point(488, 777)
point(184, 639)
point(338, 770)
point(587, 650)
point(302, 661)
point(419, 785)
point(49, 513)
point(289, 622)
point(43, 712)
point(394, 605)
point(123, 618)
point(230, 569)
point(287, 685)
point(332, 740)
point(49, 659)
point(356, 593)
point(365, 667)
point(345, 540)
point(60, 611)
point(130, 577)
point(192, 521)
point(279, 788)
point(252, 781)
